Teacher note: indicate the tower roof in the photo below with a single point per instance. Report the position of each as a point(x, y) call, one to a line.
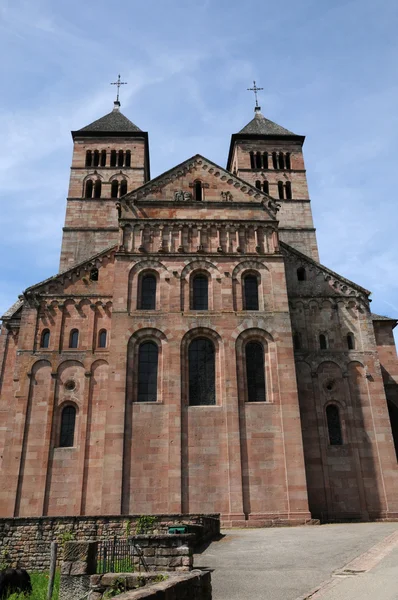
point(259, 125)
point(112, 123)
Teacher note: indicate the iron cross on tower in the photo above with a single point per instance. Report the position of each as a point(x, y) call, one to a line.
point(118, 83)
point(255, 89)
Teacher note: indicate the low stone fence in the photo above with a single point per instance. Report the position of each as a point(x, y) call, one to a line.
point(26, 541)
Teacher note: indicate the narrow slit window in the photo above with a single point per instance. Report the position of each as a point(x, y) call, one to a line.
point(281, 160)
point(120, 158)
point(350, 341)
point(96, 158)
point(200, 292)
point(255, 372)
point(148, 292)
point(258, 184)
point(288, 187)
point(274, 160)
point(89, 188)
point(97, 189)
point(74, 338)
point(103, 158)
point(297, 341)
point(201, 368)
point(114, 188)
point(250, 287)
point(323, 342)
point(301, 274)
point(148, 357)
point(265, 187)
point(45, 338)
point(128, 159)
point(113, 158)
point(265, 160)
point(252, 162)
point(123, 187)
point(280, 190)
point(334, 425)
point(67, 433)
point(89, 158)
point(258, 160)
point(94, 274)
point(288, 161)
point(102, 339)
point(198, 191)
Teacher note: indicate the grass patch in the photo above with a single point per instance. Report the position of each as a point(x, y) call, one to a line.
point(39, 588)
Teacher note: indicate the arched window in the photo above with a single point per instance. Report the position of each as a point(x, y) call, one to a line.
point(258, 160)
point(97, 189)
point(252, 162)
point(96, 158)
point(250, 292)
point(200, 292)
point(147, 291)
point(301, 274)
point(94, 274)
point(334, 425)
point(350, 341)
point(281, 160)
point(274, 160)
point(255, 373)
point(258, 184)
point(103, 158)
point(198, 191)
point(288, 190)
point(113, 158)
point(67, 432)
point(74, 338)
point(265, 187)
point(114, 188)
point(296, 341)
point(120, 158)
point(280, 190)
point(323, 342)
point(202, 371)
point(102, 339)
point(45, 338)
point(89, 188)
point(147, 372)
point(288, 163)
point(265, 160)
point(128, 159)
point(89, 158)
point(123, 187)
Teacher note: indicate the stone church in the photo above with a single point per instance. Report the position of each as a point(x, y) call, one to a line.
point(193, 354)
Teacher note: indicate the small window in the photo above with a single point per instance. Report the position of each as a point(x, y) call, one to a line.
point(301, 274)
point(102, 339)
point(103, 158)
point(258, 184)
point(89, 188)
point(74, 338)
point(201, 368)
point(96, 158)
point(334, 425)
point(274, 160)
point(258, 160)
point(265, 160)
point(252, 162)
point(94, 274)
point(288, 187)
point(198, 191)
point(265, 187)
point(128, 159)
point(288, 163)
point(113, 158)
point(281, 160)
point(97, 189)
point(255, 372)
point(89, 158)
point(148, 292)
point(148, 354)
point(297, 341)
point(114, 188)
point(280, 190)
point(350, 341)
point(250, 298)
point(323, 342)
point(200, 292)
point(120, 158)
point(45, 338)
point(123, 187)
point(68, 420)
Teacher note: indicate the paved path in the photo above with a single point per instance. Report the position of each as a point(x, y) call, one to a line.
point(290, 563)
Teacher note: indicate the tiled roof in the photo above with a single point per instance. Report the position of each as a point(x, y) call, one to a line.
point(12, 310)
point(259, 125)
point(112, 122)
point(381, 318)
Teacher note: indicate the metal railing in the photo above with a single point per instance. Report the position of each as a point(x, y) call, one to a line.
point(120, 556)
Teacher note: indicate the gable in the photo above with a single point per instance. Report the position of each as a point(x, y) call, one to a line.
point(173, 194)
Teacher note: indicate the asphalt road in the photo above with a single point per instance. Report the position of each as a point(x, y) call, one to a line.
point(289, 563)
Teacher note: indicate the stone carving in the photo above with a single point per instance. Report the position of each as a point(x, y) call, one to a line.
point(181, 195)
point(187, 196)
point(226, 196)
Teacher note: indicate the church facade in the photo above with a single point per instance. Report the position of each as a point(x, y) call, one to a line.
point(192, 354)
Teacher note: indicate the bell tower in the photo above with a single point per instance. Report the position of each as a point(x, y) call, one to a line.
point(110, 158)
point(270, 157)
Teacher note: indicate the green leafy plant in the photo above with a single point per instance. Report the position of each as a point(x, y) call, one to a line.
point(66, 536)
point(119, 585)
point(145, 524)
point(5, 558)
point(160, 578)
point(128, 528)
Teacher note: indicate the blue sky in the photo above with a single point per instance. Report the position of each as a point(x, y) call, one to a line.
point(328, 68)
